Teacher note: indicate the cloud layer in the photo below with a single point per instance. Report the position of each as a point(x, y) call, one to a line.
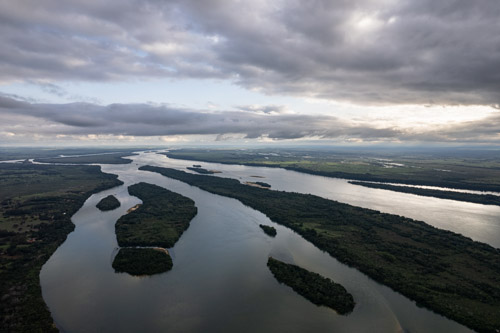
point(25, 119)
point(363, 51)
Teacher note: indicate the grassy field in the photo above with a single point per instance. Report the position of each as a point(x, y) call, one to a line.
point(439, 269)
point(454, 169)
point(159, 221)
point(36, 205)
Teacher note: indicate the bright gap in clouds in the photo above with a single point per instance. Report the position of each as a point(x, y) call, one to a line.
point(220, 95)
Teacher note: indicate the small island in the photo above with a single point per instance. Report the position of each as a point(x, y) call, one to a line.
point(312, 286)
point(202, 171)
point(108, 203)
point(271, 231)
point(142, 261)
point(259, 184)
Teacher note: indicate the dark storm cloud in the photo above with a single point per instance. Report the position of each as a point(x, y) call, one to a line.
point(365, 51)
point(51, 120)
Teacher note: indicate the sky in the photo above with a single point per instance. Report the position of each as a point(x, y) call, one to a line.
point(151, 72)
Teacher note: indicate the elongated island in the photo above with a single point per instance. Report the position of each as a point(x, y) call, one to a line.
point(312, 286)
point(440, 270)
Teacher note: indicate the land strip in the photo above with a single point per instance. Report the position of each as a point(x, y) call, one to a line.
point(441, 270)
point(485, 199)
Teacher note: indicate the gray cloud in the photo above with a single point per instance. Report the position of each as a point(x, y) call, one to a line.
point(365, 51)
point(143, 120)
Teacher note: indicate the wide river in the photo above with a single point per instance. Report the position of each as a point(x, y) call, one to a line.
point(220, 281)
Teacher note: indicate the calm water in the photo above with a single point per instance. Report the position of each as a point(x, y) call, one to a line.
point(220, 281)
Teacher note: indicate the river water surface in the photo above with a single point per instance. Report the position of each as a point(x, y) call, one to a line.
point(220, 281)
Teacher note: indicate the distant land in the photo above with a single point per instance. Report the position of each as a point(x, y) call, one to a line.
point(453, 168)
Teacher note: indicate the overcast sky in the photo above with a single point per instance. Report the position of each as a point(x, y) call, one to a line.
point(189, 71)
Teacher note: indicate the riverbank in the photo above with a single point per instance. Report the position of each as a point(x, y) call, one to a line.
point(37, 202)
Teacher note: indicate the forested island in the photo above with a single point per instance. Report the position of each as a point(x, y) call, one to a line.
point(159, 221)
point(271, 231)
point(142, 261)
point(36, 205)
point(485, 199)
point(411, 257)
point(108, 203)
point(312, 286)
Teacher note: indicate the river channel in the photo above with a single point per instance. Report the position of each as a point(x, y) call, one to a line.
point(220, 281)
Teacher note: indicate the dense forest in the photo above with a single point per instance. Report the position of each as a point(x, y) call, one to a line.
point(271, 231)
point(441, 270)
point(312, 286)
point(159, 221)
point(142, 261)
point(108, 203)
point(37, 202)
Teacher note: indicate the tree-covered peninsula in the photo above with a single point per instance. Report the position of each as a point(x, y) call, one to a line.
point(312, 286)
point(441, 270)
point(108, 203)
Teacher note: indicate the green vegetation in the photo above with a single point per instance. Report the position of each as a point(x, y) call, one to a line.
point(312, 286)
point(103, 158)
point(439, 269)
point(485, 199)
point(201, 170)
point(108, 203)
point(271, 231)
point(459, 168)
point(159, 221)
point(137, 261)
point(37, 202)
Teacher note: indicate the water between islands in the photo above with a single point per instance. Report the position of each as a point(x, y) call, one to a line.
point(220, 281)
